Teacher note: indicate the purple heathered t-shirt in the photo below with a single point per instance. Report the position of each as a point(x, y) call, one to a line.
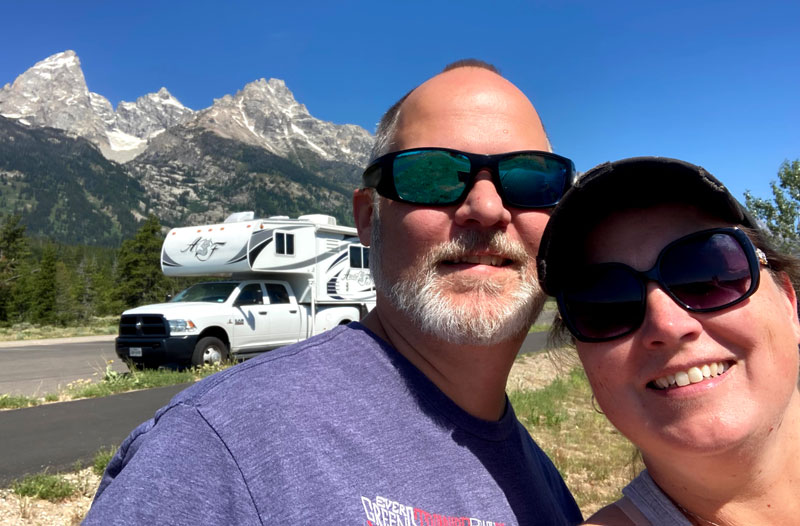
point(338, 429)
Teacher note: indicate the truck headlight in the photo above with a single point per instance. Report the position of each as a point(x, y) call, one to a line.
point(181, 326)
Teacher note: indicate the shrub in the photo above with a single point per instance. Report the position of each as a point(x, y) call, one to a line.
point(43, 486)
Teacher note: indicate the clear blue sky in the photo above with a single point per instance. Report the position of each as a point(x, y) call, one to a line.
point(713, 82)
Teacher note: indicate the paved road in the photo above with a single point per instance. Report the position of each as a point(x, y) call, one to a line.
point(35, 368)
point(45, 366)
point(55, 436)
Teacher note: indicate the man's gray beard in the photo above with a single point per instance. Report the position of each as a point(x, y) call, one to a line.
point(487, 318)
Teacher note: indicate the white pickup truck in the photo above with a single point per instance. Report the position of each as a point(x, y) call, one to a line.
point(214, 321)
point(290, 279)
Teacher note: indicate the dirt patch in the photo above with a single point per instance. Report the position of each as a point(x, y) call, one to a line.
point(534, 371)
point(29, 511)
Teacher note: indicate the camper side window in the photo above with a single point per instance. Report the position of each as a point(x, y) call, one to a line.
point(284, 243)
point(359, 256)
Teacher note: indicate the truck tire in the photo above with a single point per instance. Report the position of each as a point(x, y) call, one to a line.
point(209, 350)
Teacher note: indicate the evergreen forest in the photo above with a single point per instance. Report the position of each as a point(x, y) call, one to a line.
point(47, 283)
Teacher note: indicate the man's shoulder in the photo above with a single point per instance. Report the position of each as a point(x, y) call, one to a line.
point(278, 372)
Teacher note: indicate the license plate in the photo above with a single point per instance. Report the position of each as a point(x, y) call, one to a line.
point(135, 352)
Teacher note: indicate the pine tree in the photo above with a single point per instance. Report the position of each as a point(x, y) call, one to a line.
point(13, 251)
point(45, 289)
point(138, 278)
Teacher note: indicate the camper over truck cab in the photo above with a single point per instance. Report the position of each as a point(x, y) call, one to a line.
point(288, 279)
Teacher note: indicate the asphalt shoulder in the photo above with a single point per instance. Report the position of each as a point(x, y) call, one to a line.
point(51, 341)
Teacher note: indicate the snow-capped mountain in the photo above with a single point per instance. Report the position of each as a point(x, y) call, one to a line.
point(258, 149)
point(264, 113)
point(54, 93)
point(151, 114)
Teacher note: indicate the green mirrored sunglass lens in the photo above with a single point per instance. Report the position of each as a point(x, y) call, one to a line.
point(430, 177)
point(532, 181)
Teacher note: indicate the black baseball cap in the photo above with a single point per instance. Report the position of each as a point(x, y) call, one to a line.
point(637, 182)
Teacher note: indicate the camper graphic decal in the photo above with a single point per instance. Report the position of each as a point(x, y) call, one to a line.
point(240, 256)
point(202, 247)
point(332, 292)
point(340, 283)
point(168, 261)
point(337, 260)
point(258, 242)
point(360, 276)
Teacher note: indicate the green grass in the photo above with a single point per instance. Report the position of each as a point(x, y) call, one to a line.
point(595, 460)
point(539, 327)
point(114, 382)
point(542, 407)
point(101, 460)
point(43, 486)
point(17, 401)
point(58, 487)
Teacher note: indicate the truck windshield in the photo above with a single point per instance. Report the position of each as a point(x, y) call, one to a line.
point(211, 292)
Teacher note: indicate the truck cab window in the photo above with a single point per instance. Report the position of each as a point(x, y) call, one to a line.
point(284, 243)
point(277, 293)
point(250, 295)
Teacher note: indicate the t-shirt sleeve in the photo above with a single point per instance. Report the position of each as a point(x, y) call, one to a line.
point(175, 470)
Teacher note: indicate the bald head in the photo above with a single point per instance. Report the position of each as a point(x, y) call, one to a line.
point(466, 107)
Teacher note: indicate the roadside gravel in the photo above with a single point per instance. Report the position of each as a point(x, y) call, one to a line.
point(29, 511)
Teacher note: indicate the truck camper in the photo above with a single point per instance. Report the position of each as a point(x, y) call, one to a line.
point(287, 280)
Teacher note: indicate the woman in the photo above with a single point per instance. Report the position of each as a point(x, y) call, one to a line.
point(686, 323)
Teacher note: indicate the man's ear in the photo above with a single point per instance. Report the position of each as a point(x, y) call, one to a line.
point(362, 214)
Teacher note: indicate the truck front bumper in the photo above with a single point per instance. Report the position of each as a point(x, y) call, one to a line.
point(151, 352)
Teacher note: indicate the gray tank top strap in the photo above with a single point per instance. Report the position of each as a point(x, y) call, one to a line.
point(632, 512)
point(645, 494)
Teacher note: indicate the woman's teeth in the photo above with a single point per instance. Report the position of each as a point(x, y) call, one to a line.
point(692, 376)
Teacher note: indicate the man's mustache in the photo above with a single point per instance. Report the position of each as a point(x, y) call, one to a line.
point(480, 242)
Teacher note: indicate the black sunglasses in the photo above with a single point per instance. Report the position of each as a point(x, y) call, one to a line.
point(441, 176)
point(705, 271)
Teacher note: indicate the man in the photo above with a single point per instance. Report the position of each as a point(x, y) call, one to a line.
point(402, 420)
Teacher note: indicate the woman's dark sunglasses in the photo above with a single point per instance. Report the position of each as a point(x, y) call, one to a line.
point(441, 176)
point(703, 272)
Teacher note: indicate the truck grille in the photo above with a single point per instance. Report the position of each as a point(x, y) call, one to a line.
point(143, 325)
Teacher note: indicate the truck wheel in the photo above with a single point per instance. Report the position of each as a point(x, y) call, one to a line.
point(209, 350)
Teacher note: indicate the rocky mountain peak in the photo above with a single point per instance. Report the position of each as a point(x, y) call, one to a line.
point(266, 114)
point(263, 113)
point(66, 62)
point(54, 93)
point(38, 93)
point(151, 114)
